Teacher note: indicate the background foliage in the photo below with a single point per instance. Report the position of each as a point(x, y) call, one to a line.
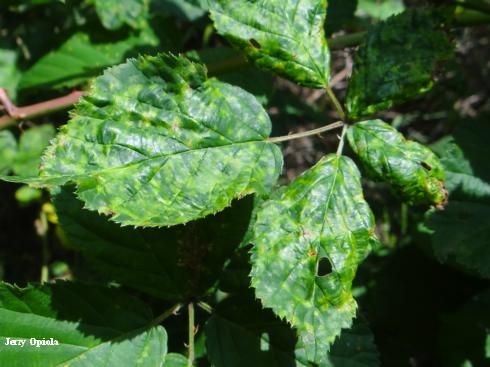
point(118, 295)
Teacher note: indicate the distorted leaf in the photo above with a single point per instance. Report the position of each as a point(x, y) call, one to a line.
point(413, 170)
point(396, 61)
point(285, 37)
point(240, 333)
point(320, 215)
point(157, 143)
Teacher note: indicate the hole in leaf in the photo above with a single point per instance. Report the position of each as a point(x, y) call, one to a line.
point(426, 166)
point(324, 267)
point(254, 43)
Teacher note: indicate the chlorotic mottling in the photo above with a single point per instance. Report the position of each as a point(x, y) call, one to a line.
point(412, 169)
point(156, 143)
point(287, 37)
point(93, 325)
point(114, 14)
point(396, 62)
point(320, 215)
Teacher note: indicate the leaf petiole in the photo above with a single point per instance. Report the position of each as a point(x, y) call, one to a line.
point(304, 134)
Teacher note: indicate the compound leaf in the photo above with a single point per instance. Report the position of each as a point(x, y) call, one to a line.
point(81, 58)
point(396, 61)
point(240, 333)
point(174, 263)
point(115, 13)
point(8, 151)
point(93, 325)
point(157, 143)
point(320, 220)
point(285, 37)
point(413, 170)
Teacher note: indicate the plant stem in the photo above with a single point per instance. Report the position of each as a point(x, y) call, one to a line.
point(342, 140)
point(42, 228)
point(336, 103)
point(320, 130)
point(171, 311)
point(15, 113)
point(475, 5)
point(205, 306)
point(190, 359)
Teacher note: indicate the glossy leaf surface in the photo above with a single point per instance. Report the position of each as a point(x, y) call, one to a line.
point(397, 61)
point(412, 169)
point(93, 326)
point(320, 220)
point(156, 143)
point(285, 37)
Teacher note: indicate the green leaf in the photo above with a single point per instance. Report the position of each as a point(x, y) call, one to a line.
point(320, 220)
point(116, 13)
point(81, 58)
point(465, 159)
point(93, 326)
point(8, 151)
point(285, 37)
point(172, 263)
point(189, 10)
point(253, 80)
point(9, 73)
point(26, 195)
point(396, 61)
point(175, 360)
point(156, 143)
point(413, 170)
point(32, 143)
point(381, 9)
point(465, 334)
point(241, 334)
point(461, 233)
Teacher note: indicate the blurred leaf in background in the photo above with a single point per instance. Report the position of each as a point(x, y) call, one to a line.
point(461, 234)
point(380, 9)
point(31, 146)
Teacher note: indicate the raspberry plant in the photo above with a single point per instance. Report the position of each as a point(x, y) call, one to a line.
point(167, 179)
